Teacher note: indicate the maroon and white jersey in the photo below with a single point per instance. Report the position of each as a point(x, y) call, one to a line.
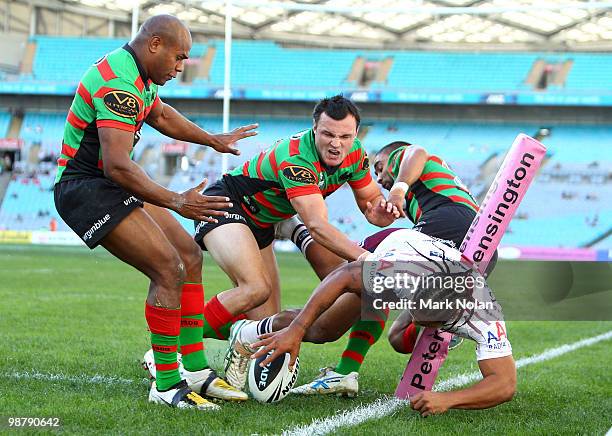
point(415, 254)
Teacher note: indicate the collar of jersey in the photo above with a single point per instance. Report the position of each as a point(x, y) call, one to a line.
point(141, 71)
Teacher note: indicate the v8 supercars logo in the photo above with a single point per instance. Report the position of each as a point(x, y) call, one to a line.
point(300, 174)
point(122, 103)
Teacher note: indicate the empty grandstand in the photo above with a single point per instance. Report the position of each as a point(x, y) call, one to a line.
point(464, 98)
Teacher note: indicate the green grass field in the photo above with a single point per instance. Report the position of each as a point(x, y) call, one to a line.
point(73, 333)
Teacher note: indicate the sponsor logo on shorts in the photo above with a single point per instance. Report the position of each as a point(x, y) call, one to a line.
point(122, 103)
point(231, 216)
point(236, 217)
point(130, 200)
point(199, 226)
point(250, 204)
point(89, 233)
point(300, 174)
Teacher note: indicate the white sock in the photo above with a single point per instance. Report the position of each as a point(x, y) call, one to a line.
point(251, 331)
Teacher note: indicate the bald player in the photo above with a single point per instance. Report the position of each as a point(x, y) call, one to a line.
point(107, 199)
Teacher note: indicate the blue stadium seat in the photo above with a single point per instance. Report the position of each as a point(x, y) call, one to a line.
point(573, 149)
point(271, 65)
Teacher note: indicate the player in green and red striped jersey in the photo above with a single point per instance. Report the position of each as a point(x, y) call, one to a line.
point(430, 189)
point(108, 200)
point(293, 176)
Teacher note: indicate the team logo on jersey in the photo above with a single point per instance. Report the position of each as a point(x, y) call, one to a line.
point(297, 173)
point(122, 103)
point(366, 163)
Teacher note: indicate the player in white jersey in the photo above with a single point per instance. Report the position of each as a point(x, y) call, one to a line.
point(402, 255)
point(484, 325)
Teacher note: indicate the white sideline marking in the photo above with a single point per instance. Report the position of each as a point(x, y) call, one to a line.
point(88, 379)
point(385, 406)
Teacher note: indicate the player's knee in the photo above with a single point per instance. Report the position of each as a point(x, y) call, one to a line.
point(396, 342)
point(256, 290)
point(170, 272)
point(192, 258)
point(322, 334)
point(284, 318)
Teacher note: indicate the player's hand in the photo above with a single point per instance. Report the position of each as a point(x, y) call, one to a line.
point(287, 340)
point(396, 198)
point(381, 214)
point(429, 403)
point(224, 142)
point(193, 205)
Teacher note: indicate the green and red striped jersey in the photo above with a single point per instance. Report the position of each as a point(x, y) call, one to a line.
point(114, 92)
point(292, 168)
point(437, 185)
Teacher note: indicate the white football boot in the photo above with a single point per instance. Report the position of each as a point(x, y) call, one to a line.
point(331, 382)
point(205, 382)
point(181, 397)
point(238, 356)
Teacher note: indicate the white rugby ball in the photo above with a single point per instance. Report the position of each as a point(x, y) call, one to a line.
point(272, 383)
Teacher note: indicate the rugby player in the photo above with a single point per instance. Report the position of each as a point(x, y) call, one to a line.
point(293, 176)
point(485, 327)
point(426, 191)
point(108, 200)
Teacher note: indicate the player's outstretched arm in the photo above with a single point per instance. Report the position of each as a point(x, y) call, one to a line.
point(170, 122)
point(375, 208)
point(497, 386)
point(288, 340)
point(411, 168)
point(118, 167)
point(313, 212)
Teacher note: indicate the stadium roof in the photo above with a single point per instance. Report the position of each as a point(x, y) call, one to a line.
point(506, 24)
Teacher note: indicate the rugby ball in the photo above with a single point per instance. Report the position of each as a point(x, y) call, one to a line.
point(272, 383)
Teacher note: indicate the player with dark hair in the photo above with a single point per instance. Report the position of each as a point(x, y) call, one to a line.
point(416, 252)
point(292, 176)
point(435, 199)
point(108, 200)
